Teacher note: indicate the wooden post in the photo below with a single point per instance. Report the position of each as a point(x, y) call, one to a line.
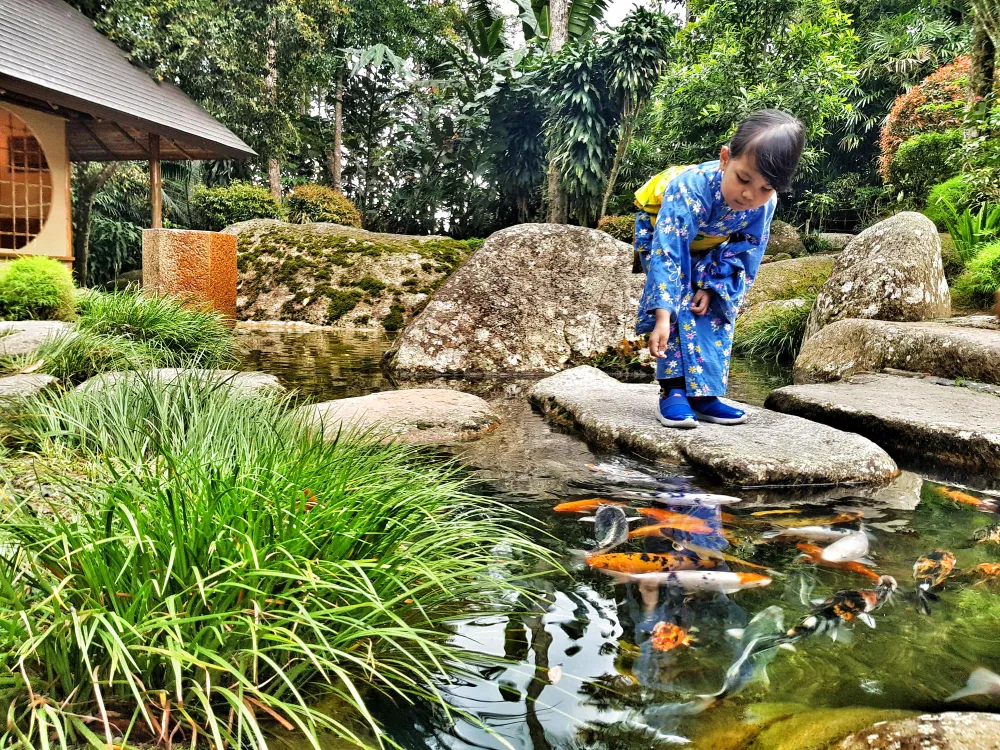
point(155, 182)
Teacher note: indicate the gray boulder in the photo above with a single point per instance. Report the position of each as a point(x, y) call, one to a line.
point(891, 271)
point(770, 449)
point(24, 336)
point(533, 298)
point(954, 730)
point(419, 416)
point(970, 351)
point(918, 420)
point(241, 381)
point(20, 386)
point(784, 239)
point(836, 240)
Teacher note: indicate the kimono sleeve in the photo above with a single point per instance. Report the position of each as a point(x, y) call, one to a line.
point(729, 271)
point(668, 261)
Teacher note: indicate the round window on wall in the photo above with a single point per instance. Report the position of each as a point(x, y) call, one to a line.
point(25, 183)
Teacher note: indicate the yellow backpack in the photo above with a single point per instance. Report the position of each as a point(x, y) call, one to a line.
point(649, 198)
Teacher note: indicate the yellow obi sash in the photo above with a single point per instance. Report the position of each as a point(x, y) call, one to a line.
point(649, 198)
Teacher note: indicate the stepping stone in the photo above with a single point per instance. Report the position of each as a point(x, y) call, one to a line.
point(914, 419)
point(419, 416)
point(24, 336)
point(966, 348)
point(243, 381)
point(770, 449)
point(17, 386)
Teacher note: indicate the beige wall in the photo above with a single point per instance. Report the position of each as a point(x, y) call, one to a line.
point(55, 237)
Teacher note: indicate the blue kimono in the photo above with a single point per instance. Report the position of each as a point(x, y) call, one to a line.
point(700, 346)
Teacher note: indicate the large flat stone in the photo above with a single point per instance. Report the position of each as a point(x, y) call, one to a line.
point(18, 386)
point(954, 730)
point(770, 449)
point(969, 349)
point(244, 381)
point(420, 416)
point(24, 336)
point(914, 419)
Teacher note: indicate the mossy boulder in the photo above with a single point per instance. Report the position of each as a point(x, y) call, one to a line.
point(795, 278)
point(784, 239)
point(327, 274)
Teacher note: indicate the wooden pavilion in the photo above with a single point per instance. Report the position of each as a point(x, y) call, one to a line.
point(69, 94)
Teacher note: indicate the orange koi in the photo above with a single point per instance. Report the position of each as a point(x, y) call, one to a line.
point(986, 570)
point(646, 562)
point(684, 523)
point(667, 636)
point(814, 554)
point(966, 499)
point(584, 506)
point(728, 517)
point(760, 513)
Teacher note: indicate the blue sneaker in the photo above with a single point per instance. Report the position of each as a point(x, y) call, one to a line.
point(675, 411)
point(711, 409)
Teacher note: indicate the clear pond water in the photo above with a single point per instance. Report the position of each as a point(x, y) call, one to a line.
point(580, 669)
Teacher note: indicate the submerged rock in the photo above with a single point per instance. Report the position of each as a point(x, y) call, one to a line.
point(24, 336)
point(242, 381)
point(954, 730)
point(328, 274)
point(15, 386)
point(914, 419)
point(421, 416)
point(891, 271)
point(796, 278)
point(770, 449)
point(961, 348)
point(534, 298)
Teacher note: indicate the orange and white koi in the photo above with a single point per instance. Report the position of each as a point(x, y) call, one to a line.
point(989, 506)
point(814, 554)
point(646, 562)
point(698, 580)
point(584, 506)
point(929, 572)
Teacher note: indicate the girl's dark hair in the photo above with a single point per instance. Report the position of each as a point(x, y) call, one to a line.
point(776, 140)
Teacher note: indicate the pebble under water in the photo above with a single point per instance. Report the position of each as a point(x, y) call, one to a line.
point(597, 662)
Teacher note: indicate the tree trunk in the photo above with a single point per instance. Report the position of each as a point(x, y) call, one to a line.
point(336, 165)
point(981, 77)
point(271, 89)
point(624, 138)
point(88, 185)
point(558, 34)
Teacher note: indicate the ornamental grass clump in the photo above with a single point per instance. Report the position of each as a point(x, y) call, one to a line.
point(229, 570)
point(774, 334)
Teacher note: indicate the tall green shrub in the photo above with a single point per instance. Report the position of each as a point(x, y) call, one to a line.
point(925, 160)
point(215, 209)
point(978, 283)
point(957, 192)
point(318, 203)
point(37, 288)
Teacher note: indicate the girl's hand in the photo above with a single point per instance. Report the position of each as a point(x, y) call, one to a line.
point(661, 335)
point(699, 305)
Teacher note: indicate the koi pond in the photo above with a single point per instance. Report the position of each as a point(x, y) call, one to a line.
point(608, 659)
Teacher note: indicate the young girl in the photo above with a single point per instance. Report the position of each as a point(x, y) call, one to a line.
point(701, 257)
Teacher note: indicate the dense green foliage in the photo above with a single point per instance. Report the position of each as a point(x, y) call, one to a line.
point(773, 333)
point(620, 227)
point(217, 208)
point(922, 160)
point(247, 568)
point(970, 230)
point(979, 282)
point(956, 193)
point(309, 203)
point(36, 288)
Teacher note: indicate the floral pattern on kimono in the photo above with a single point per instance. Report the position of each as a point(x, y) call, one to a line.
point(700, 346)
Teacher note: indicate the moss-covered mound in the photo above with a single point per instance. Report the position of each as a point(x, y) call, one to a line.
point(796, 278)
point(327, 274)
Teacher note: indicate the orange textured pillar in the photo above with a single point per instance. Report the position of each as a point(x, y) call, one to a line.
point(185, 262)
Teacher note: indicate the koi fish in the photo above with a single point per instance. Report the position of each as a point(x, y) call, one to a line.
point(966, 499)
point(850, 547)
point(844, 607)
point(691, 525)
point(838, 520)
point(981, 682)
point(929, 572)
point(809, 533)
point(667, 636)
point(814, 554)
point(699, 580)
point(985, 571)
point(584, 506)
point(706, 553)
point(662, 515)
point(694, 498)
point(610, 527)
point(761, 513)
point(645, 562)
point(989, 535)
